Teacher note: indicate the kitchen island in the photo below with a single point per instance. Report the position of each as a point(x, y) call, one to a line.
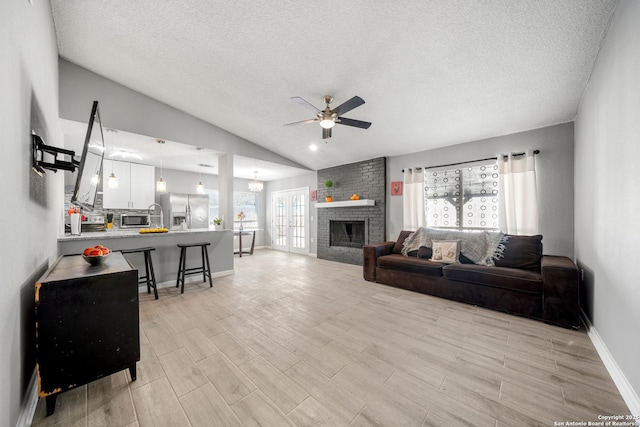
point(166, 256)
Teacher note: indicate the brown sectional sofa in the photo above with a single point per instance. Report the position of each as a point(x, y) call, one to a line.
point(523, 282)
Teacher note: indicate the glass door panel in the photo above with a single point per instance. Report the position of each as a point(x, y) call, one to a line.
point(290, 220)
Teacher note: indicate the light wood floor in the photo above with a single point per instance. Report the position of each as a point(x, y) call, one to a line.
point(293, 340)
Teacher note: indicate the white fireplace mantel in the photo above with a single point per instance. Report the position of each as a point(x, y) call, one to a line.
point(346, 203)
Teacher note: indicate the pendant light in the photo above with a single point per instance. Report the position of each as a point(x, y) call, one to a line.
point(200, 186)
point(255, 185)
point(112, 181)
point(161, 184)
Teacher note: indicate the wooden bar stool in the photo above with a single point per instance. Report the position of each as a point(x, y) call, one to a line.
point(183, 271)
point(149, 278)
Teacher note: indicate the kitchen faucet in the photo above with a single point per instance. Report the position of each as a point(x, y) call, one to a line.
point(152, 209)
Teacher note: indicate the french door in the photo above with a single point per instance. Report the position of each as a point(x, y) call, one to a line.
point(290, 220)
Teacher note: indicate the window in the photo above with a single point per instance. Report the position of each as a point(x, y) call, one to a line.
point(462, 199)
point(214, 205)
point(243, 201)
point(247, 202)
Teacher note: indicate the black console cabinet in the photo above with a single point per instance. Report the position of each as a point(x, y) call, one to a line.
point(87, 323)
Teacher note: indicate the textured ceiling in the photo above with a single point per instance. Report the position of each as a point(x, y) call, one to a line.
point(432, 73)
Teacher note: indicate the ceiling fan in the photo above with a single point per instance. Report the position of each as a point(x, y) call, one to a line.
point(328, 117)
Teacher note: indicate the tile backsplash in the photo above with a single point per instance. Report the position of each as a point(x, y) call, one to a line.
point(68, 192)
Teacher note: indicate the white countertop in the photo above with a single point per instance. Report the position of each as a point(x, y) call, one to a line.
point(119, 233)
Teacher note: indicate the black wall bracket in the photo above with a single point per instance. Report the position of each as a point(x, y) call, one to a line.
point(39, 165)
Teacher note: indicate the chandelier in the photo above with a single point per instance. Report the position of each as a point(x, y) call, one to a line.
point(255, 185)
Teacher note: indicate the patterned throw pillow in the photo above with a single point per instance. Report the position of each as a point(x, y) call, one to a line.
point(445, 251)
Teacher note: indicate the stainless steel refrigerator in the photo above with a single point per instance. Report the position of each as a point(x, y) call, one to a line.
point(185, 211)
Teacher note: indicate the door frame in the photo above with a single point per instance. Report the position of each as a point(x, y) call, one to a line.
point(304, 191)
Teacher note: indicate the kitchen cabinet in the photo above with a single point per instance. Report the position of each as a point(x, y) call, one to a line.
point(87, 323)
point(135, 185)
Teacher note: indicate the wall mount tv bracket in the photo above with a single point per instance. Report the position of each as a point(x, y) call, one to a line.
point(38, 150)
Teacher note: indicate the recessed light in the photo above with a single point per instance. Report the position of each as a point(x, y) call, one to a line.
point(313, 147)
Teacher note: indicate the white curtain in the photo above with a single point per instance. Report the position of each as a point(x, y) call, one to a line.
point(413, 208)
point(517, 194)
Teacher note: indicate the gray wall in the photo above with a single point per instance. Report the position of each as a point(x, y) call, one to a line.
point(184, 182)
point(554, 174)
point(32, 205)
point(607, 214)
point(124, 109)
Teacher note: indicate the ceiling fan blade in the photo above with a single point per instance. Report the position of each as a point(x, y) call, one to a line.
point(352, 122)
point(301, 122)
point(305, 104)
point(326, 133)
point(349, 105)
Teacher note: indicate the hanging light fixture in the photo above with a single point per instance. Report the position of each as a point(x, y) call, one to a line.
point(200, 186)
point(161, 184)
point(255, 185)
point(112, 181)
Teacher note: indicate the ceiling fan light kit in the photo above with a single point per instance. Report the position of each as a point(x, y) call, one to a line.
point(328, 117)
point(327, 122)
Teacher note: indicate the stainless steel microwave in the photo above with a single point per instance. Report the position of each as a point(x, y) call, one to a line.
point(134, 220)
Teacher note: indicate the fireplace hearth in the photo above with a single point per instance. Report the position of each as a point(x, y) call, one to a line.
point(348, 234)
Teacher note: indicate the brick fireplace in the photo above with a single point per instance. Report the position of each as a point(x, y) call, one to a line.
point(355, 226)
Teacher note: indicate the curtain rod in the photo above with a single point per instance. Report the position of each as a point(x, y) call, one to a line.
point(470, 161)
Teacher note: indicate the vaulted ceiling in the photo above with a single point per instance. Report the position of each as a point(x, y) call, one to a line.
point(432, 73)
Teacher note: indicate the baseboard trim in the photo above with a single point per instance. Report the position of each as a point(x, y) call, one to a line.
point(626, 390)
point(29, 404)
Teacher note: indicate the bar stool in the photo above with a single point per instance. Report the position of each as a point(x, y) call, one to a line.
point(183, 271)
point(149, 278)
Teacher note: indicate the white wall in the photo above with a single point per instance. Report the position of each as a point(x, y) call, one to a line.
point(32, 206)
point(607, 196)
point(554, 176)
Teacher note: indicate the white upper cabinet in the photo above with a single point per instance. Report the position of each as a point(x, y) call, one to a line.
point(135, 185)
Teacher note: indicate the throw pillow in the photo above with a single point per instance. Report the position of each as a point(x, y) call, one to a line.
point(424, 252)
point(524, 252)
point(397, 248)
point(446, 251)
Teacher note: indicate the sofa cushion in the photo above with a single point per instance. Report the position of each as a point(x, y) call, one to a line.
point(397, 248)
point(410, 265)
point(499, 277)
point(524, 252)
